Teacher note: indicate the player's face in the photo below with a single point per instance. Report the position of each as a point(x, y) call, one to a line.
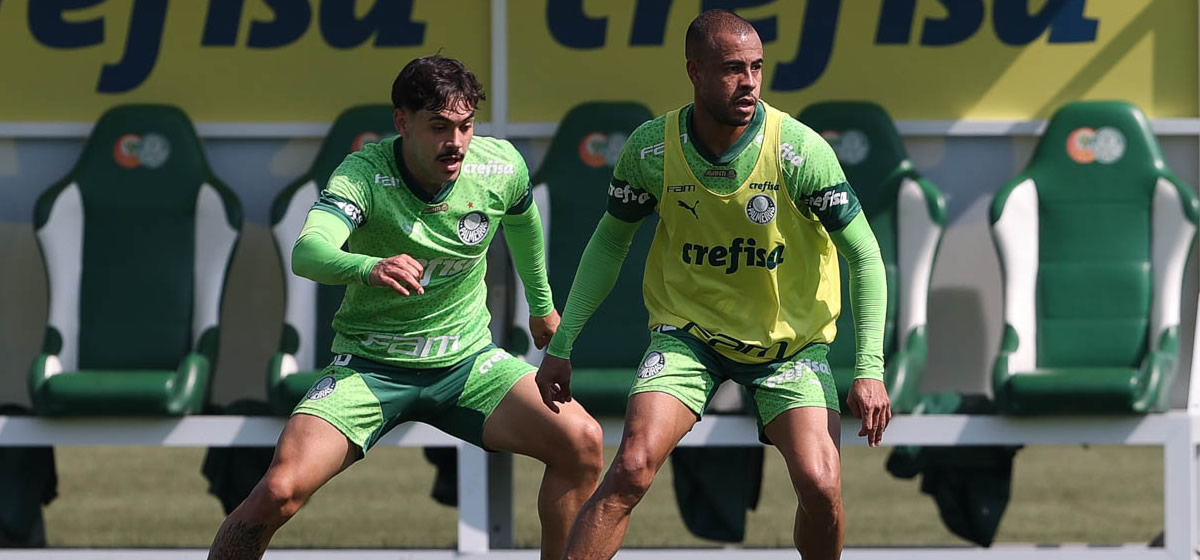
point(438, 140)
point(728, 78)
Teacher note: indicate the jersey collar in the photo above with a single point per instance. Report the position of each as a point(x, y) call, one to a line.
point(736, 149)
point(411, 182)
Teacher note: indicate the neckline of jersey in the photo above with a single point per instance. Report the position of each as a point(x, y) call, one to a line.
point(411, 182)
point(737, 148)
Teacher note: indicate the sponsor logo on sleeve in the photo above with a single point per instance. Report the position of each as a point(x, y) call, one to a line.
point(351, 211)
point(626, 194)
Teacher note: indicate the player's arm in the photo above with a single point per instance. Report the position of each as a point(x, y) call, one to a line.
point(526, 242)
point(868, 294)
point(868, 398)
point(631, 199)
point(598, 270)
point(628, 205)
point(818, 186)
point(318, 255)
point(822, 189)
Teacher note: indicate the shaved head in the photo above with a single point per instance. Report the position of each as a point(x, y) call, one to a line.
point(701, 34)
point(724, 63)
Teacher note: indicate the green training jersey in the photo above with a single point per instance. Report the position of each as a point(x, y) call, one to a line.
point(448, 233)
point(813, 176)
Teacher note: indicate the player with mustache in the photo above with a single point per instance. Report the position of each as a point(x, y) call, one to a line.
point(418, 212)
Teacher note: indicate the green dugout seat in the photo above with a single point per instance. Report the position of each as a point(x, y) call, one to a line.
point(137, 241)
point(907, 214)
point(571, 190)
point(1092, 239)
point(304, 347)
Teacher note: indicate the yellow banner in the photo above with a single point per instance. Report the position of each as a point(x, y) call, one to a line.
point(919, 59)
point(224, 60)
point(306, 60)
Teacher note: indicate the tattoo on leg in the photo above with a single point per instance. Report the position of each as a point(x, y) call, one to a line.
point(238, 541)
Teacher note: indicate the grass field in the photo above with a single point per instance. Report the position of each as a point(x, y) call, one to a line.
point(156, 497)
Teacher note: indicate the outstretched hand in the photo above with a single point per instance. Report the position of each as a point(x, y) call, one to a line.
point(868, 400)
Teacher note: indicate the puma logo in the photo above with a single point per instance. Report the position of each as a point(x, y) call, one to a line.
point(691, 208)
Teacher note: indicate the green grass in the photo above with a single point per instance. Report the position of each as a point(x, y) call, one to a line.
point(156, 497)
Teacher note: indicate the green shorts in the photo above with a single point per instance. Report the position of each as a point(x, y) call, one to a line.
point(686, 368)
point(365, 399)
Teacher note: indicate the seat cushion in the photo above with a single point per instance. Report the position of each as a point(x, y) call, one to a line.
point(108, 392)
point(1072, 390)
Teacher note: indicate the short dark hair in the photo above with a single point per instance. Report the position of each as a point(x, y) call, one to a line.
point(699, 37)
point(435, 82)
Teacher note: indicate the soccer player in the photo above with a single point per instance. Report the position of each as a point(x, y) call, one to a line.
point(741, 283)
point(419, 211)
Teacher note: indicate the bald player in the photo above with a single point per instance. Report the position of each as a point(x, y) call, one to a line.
point(742, 284)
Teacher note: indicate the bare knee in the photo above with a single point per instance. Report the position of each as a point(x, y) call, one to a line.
point(276, 498)
point(631, 475)
point(581, 450)
point(819, 485)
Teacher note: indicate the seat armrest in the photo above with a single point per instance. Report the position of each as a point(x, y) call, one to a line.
point(1158, 374)
point(1001, 370)
point(189, 387)
point(44, 366)
point(904, 371)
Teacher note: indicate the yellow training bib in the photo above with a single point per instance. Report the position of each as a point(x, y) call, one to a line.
point(746, 272)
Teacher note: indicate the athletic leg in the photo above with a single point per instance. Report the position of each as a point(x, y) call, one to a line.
point(654, 424)
point(809, 440)
point(570, 444)
point(309, 453)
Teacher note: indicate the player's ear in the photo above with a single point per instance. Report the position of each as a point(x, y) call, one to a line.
point(693, 71)
point(400, 120)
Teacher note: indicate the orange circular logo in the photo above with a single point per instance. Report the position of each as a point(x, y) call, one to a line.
point(363, 139)
point(1079, 145)
point(125, 151)
point(592, 149)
